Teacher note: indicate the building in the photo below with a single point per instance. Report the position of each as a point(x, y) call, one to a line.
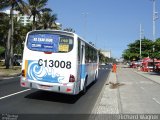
point(106, 53)
point(24, 19)
point(15, 13)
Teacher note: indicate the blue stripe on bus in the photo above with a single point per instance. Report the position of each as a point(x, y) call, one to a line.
point(41, 73)
point(83, 71)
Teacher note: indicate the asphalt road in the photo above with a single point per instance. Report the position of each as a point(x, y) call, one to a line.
point(42, 102)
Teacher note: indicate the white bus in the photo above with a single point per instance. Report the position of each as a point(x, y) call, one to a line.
point(58, 61)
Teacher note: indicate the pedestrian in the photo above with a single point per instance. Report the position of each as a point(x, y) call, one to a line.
point(114, 68)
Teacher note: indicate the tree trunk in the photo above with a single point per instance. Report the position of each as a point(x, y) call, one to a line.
point(9, 45)
point(34, 23)
point(7, 53)
point(12, 33)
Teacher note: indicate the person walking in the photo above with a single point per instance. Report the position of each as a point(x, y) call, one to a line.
point(114, 68)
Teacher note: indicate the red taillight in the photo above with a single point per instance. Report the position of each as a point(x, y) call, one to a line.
point(23, 73)
point(68, 90)
point(48, 52)
point(71, 78)
point(23, 84)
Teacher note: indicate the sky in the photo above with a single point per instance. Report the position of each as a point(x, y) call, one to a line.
point(109, 24)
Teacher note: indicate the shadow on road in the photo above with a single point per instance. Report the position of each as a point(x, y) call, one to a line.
point(56, 97)
point(154, 73)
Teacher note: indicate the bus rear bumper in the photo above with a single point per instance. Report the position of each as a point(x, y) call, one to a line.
point(53, 87)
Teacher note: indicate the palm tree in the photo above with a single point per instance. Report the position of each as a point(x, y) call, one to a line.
point(4, 26)
point(48, 20)
point(36, 8)
point(19, 36)
point(19, 4)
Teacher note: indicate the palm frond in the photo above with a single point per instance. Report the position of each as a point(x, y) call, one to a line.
point(46, 10)
point(42, 4)
point(23, 7)
point(4, 4)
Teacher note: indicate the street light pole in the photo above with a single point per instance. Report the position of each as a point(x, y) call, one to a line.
point(140, 51)
point(155, 17)
point(85, 24)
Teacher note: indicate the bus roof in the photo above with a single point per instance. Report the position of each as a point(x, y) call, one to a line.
point(64, 32)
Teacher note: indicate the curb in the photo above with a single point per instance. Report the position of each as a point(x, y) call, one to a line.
point(146, 77)
point(107, 102)
point(119, 97)
point(12, 75)
point(94, 111)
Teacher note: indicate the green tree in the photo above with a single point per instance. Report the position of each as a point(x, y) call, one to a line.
point(48, 20)
point(102, 58)
point(37, 7)
point(133, 51)
point(19, 36)
point(157, 49)
point(4, 26)
point(13, 4)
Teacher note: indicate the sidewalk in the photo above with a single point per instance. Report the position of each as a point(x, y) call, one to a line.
point(149, 75)
point(10, 72)
point(109, 101)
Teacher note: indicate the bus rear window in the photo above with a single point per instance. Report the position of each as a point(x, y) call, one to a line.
point(46, 42)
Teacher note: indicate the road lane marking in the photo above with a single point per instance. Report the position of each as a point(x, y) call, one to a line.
point(103, 68)
point(7, 78)
point(14, 94)
point(156, 100)
point(142, 88)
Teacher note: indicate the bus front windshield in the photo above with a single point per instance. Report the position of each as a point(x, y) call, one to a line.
point(47, 42)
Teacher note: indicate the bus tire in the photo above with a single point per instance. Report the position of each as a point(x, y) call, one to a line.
point(84, 87)
point(95, 78)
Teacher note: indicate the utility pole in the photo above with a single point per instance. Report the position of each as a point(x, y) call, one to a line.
point(140, 47)
point(85, 24)
point(155, 17)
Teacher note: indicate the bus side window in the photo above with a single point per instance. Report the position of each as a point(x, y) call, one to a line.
point(79, 49)
point(86, 53)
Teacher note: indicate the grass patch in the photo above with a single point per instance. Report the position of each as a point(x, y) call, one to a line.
point(8, 72)
point(1, 63)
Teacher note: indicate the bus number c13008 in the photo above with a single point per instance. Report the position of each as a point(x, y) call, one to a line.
point(56, 63)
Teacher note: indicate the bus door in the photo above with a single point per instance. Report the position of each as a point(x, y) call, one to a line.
point(81, 71)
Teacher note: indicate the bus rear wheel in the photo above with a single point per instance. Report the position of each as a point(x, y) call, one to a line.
point(95, 78)
point(84, 87)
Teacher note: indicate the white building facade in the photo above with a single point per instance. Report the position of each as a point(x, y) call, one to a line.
point(24, 19)
point(106, 53)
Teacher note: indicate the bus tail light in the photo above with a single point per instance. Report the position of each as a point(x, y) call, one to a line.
point(48, 52)
point(23, 73)
point(71, 78)
point(23, 84)
point(68, 90)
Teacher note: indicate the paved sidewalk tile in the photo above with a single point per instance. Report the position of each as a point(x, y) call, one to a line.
point(107, 102)
point(150, 75)
point(107, 105)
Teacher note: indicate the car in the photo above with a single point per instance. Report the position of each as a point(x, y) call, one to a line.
point(17, 60)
